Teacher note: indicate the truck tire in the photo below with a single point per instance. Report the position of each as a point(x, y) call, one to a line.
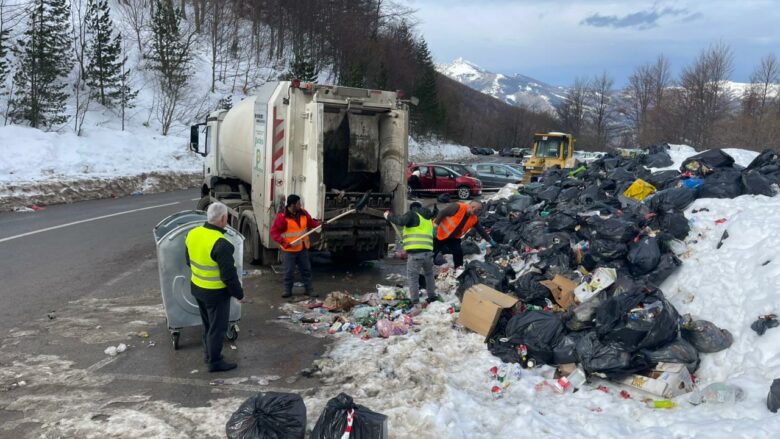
point(464, 192)
point(250, 238)
point(203, 203)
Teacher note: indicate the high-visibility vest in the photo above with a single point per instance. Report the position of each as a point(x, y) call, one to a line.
point(205, 271)
point(450, 223)
point(295, 231)
point(420, 237)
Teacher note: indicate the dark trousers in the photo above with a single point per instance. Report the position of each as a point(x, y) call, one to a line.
point(215, 313)
point(301, 260)
point(451, 246)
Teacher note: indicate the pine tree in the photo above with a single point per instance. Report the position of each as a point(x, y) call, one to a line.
point(169, 58)
point(302, 68)
point(45, 59)
point(5, 35)
point(428, 115)
point(104, 52)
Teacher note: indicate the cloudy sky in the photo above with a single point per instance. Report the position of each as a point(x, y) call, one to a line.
point(557, 40)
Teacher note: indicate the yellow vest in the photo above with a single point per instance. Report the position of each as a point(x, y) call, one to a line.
point(205, 271)
point(420, 237)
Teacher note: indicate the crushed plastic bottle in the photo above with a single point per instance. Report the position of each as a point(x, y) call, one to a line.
point(722, 393)
point(646, 313)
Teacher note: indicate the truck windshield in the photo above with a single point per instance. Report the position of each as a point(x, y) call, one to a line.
point(548, 148)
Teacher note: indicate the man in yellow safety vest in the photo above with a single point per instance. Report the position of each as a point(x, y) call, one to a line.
point(214, 281)
point(418, 245)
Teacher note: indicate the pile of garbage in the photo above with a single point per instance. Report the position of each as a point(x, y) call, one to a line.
point(383, 313)
point(584, 253)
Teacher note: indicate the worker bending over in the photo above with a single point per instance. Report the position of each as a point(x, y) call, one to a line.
point(452, 224)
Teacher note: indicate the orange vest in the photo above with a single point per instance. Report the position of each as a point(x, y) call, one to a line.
point(450, 223)
point(293, 232)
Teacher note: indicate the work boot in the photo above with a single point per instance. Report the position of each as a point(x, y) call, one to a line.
point(286, 294)
point(222, 366)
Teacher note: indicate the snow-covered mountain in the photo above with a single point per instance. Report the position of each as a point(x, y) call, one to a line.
point(518, 90)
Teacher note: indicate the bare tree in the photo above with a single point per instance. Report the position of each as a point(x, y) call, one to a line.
point(602, 112)
point(136, 14)
point(640, 90)
point(81, 93)
point(706, 98)
point(217, 27)
point(758, 102)
point(572, 110)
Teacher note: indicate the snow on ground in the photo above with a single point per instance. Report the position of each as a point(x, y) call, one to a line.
point(34, 155)
point(424, 151)
point(434, 383)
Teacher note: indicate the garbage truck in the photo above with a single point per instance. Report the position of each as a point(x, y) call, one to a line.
point(331, 145)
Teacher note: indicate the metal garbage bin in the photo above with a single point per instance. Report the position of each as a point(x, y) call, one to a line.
point(181, 309)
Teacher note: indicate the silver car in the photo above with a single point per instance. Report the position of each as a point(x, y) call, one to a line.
point(497, 175)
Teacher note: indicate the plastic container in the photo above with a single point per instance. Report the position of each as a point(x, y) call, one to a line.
point(722, 393)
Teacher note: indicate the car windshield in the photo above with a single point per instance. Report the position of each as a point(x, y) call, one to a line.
point(548, 148)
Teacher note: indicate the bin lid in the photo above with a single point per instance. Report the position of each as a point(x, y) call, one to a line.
point(171, 222)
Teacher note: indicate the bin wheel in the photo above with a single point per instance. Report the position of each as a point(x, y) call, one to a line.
point(232, 333)
point(175, 340)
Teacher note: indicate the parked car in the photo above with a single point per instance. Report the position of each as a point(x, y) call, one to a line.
point(519, 152)
point(488, 151)
point(438, 179)
point(464, 170)
point(506, 152)
point(476, 151)
point(497, 175)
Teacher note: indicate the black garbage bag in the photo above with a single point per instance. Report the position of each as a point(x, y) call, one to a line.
point(470, 247)
point(532, 233)
point(529, 289)
point(722, 183)
point(643, 256)
point(504, 350)
point(773, 398)
point(615, 229)
point(621, 174)
point(658, 160)
point(663, 179)
point(539, 331)
point(637, 320)
point(552, 175)
point(478, 272)
point(668, 264)
point(607, 250)
point(675, 223)
point(565, 351)
point(549, 193)
point(755, 183)
point(672, 199)
point(560, 221)
point(763, 323)
point(766, 158)
point(581, 316)
point(519, 203)
point(269, 415)
point(678, 351)
point(569, 194)
point(332, 423)
point(712, 159)
point(607, 358)
point(705, 336)
point(591, 194)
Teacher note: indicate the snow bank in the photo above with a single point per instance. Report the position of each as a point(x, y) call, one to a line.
point(430, 151)
point(31, 155)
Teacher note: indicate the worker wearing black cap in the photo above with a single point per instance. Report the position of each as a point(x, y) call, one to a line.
point(289, 225)
point(418, 244)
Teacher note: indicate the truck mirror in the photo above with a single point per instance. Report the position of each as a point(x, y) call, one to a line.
point(194, 139)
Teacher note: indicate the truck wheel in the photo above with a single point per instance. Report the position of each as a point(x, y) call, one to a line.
point(250, 238)
point(464, 192)
point(203, 203)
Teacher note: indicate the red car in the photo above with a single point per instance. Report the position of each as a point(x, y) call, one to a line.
point(436, 179)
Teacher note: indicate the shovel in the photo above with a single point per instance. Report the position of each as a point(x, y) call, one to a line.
point(358, 207)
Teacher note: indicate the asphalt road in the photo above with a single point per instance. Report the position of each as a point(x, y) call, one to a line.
point(76, 279)
point(53, 264)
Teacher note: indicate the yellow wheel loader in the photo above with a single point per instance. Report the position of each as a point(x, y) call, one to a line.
point(550, 150)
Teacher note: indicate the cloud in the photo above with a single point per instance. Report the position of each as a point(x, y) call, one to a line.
point(641, 20)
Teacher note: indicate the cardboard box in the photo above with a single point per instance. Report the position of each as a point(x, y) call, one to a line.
point(667, 380)
point(481, 307)
point(562, 290)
